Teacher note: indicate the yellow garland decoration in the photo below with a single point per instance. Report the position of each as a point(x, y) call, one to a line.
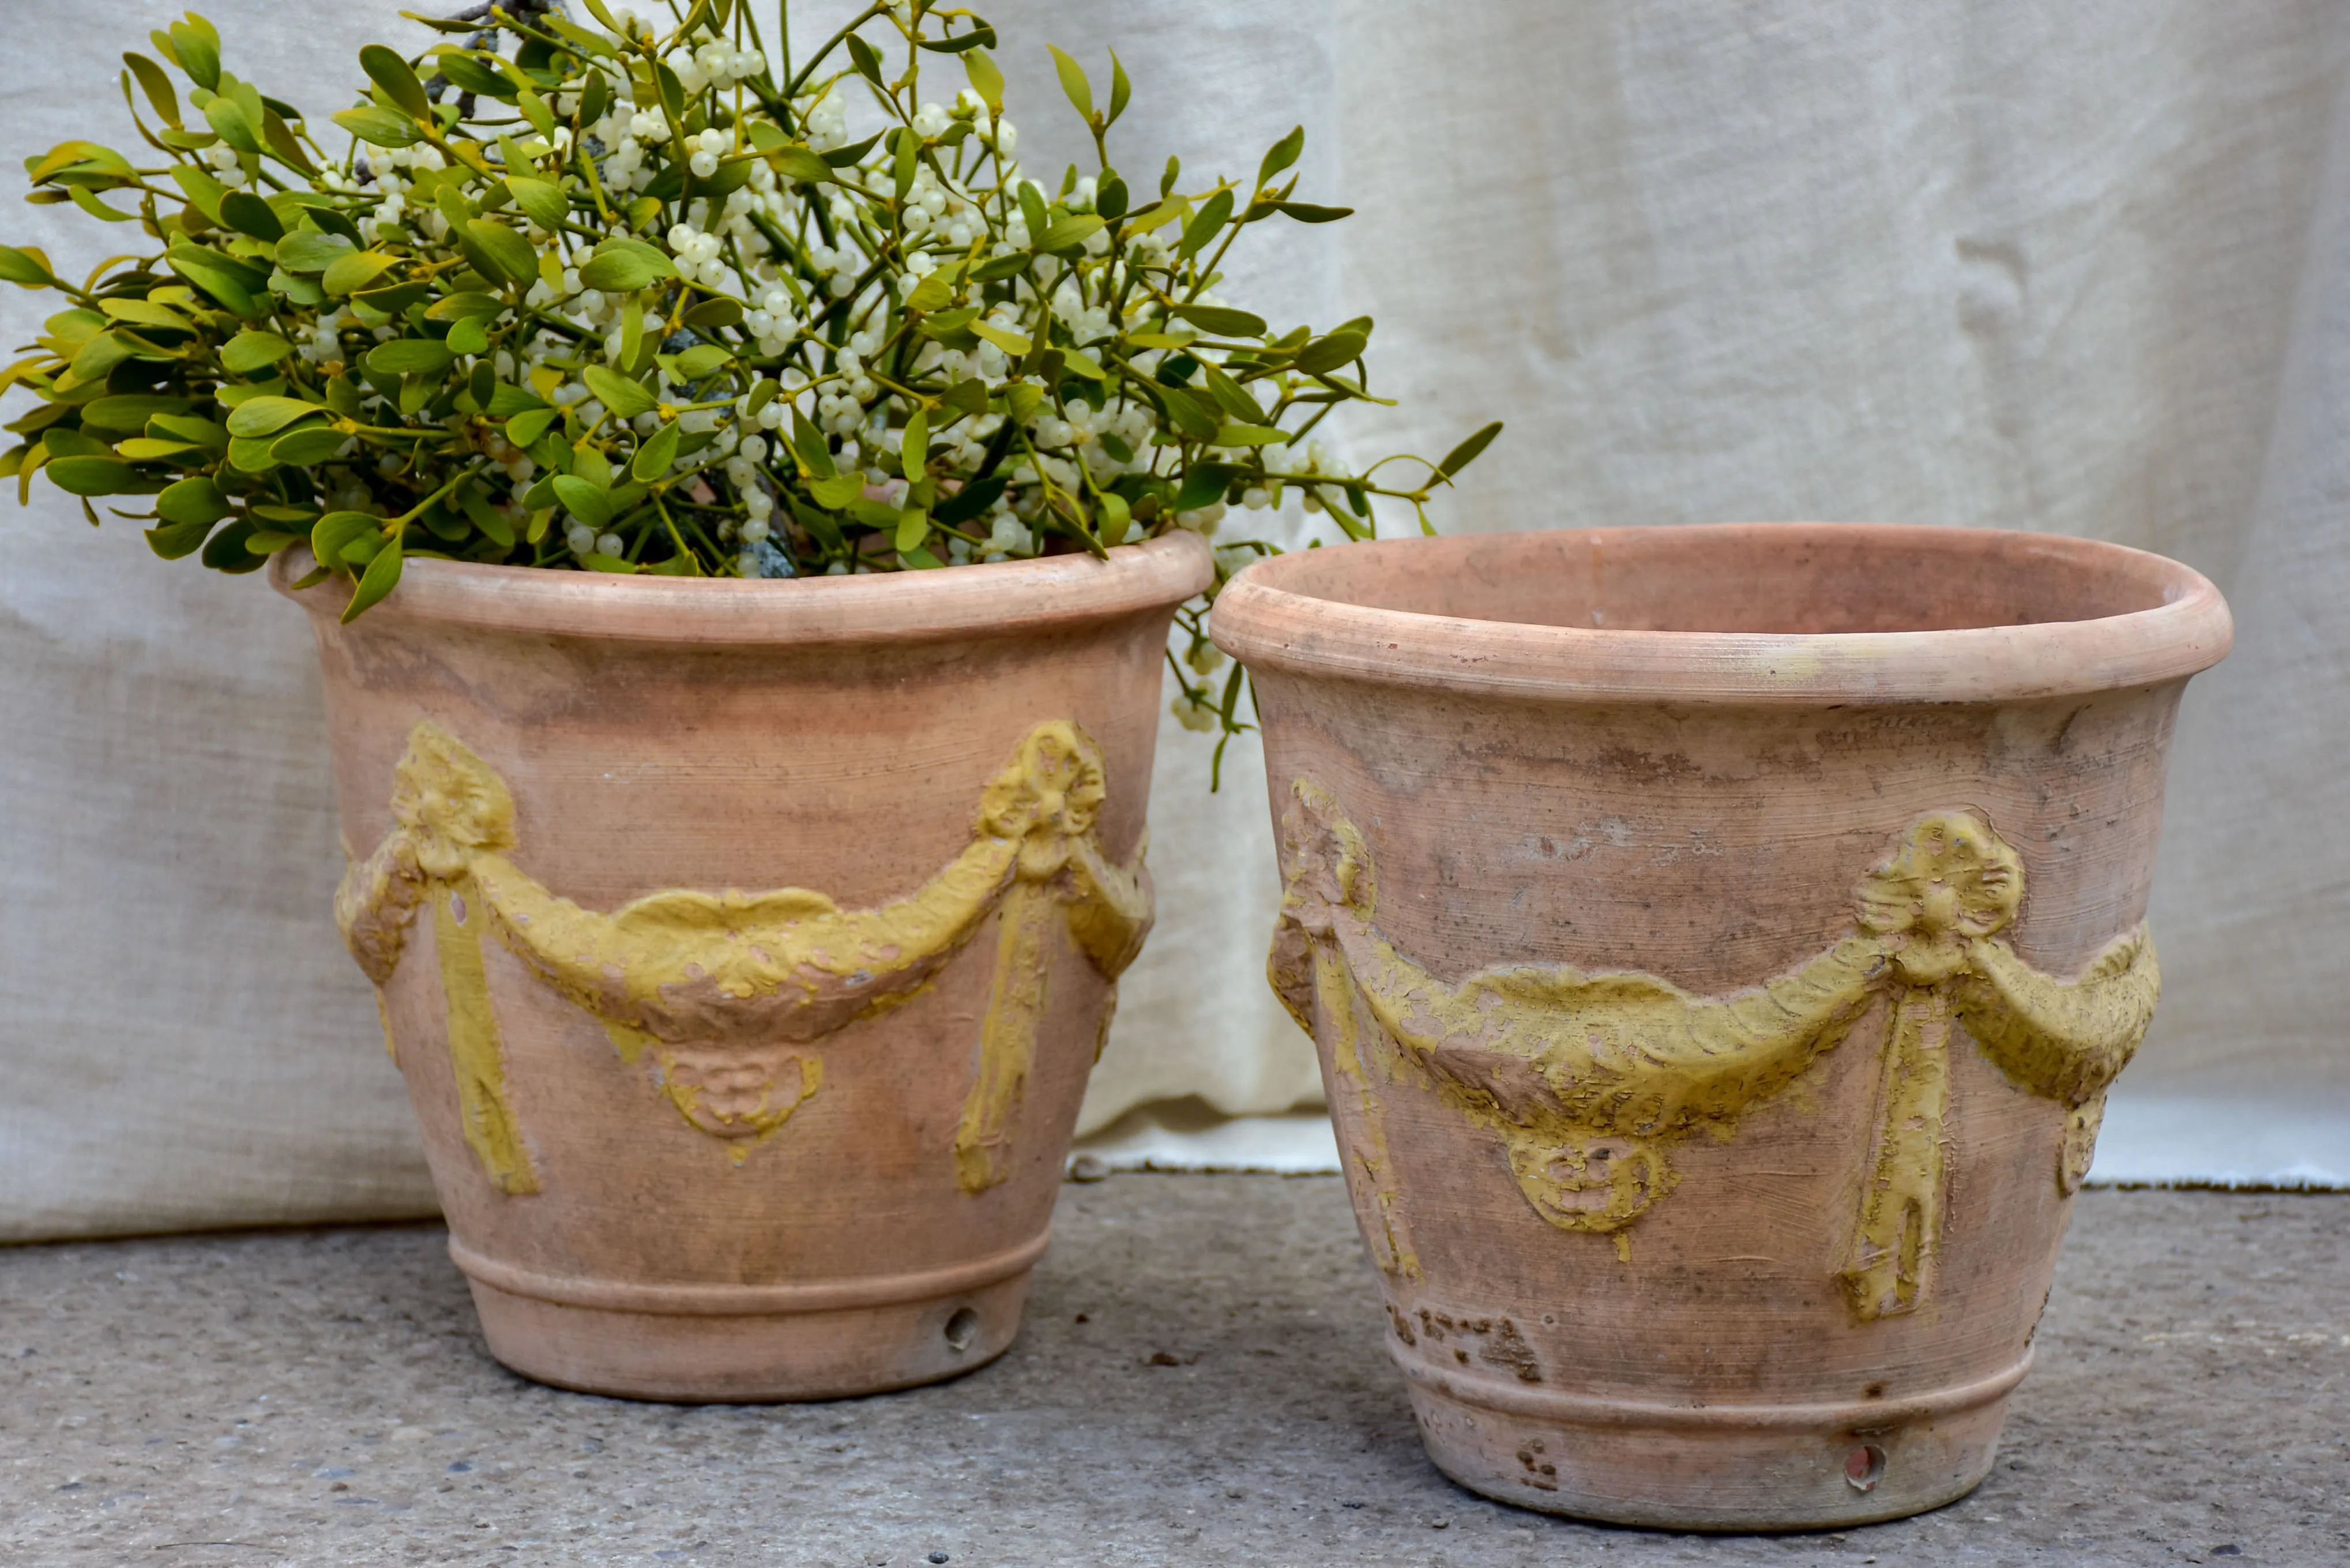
point(1584, 1077)
point(729, 990)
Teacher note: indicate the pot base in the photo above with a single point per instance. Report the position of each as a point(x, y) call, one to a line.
point(750, 1344)
point(1722, 1468)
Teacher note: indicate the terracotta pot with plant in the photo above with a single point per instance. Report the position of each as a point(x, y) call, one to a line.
point(1719, 941)
point(742, 553)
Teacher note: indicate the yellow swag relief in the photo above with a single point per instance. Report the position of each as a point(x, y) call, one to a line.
point(1585, 1077)
point(730, 992)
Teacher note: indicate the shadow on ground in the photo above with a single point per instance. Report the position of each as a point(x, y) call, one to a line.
point(1202, 1380)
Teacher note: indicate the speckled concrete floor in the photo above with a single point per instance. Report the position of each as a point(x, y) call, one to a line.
point(322, 1397)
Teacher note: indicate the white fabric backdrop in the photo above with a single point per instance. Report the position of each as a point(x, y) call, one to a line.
point(2081, 268)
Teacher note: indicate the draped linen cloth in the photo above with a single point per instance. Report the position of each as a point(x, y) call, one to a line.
point(2079, 268)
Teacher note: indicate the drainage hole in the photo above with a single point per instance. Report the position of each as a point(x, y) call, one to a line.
point(962, 1329)
point(1864, 1467)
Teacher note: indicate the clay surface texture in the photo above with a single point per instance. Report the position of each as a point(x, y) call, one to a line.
point(745, 946)
point(1718, 941)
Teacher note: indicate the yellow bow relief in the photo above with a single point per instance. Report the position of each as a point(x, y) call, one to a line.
point(729, 990)
point(1586, 1077)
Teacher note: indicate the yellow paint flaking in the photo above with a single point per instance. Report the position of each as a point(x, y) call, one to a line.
point(1007, 1039)
point(631, 1044)
point(1370, 1173)
point(1108, 1017)
point(375, 902)
point(1047, 804)
point(680, 965)
point(726, 991)
point(1894, 1240)
point(2063, 1041)
point(474, 1049)
point(1108, 906)
point(1585, 1078)
point(1582, 1076)
point(2080, 1124)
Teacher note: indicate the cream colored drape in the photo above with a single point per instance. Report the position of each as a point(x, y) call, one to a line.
point(2082, 268)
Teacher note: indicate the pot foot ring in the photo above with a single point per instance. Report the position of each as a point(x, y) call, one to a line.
point(1726, 1468)
point(750, 1344)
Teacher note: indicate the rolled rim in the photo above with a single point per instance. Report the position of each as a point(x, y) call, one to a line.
point(1290, 614)
point(1005, 598)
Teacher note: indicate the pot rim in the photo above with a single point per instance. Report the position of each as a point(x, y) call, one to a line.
point(1004, 598)
point(1269, 621)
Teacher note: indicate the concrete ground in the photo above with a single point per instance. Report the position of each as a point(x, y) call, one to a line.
point(1202, 1380)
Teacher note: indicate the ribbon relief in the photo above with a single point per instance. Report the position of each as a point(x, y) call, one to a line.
point(728, 992)
point(1588, 1079)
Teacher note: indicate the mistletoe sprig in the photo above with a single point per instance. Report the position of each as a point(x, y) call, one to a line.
point(628, 297)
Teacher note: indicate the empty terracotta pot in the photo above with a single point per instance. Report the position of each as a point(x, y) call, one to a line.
point(746, 945)
point(1718, 941)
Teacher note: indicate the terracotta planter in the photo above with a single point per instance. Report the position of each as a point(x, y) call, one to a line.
point(747, 945)
point(1718, 941)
